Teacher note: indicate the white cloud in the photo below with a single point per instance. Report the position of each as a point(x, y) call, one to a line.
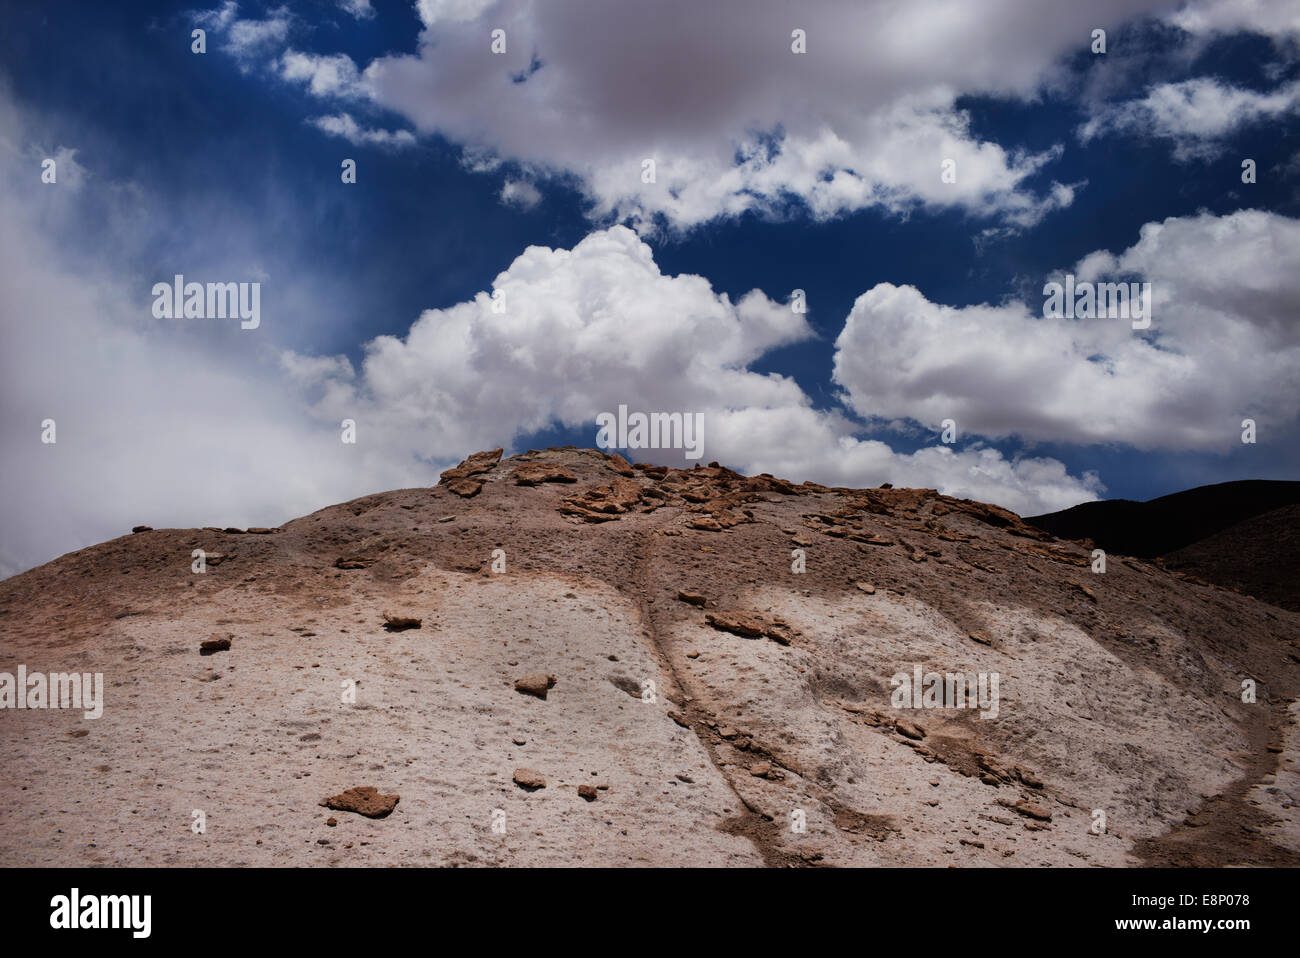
point(458, 11)
point(587, 329)
point(246, 40)
point(168, 423)
point(732, 117)
point(1196, 114)
point(343, 125)
point(361, 9)
point(520, 193)
point(334, 75)
point(1224, 345)
point(1274, 18)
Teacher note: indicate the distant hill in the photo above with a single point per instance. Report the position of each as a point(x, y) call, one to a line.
point(1260, 557)
point(1161, 526)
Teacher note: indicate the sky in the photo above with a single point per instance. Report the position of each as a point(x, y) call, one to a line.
point(839, 262)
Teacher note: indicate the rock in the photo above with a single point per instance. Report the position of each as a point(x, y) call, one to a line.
point(1092, 596)
point(231, 530)
point(691, 598)
point(780, 633)
point(761, 769)
point(465, 488)
point(867, 587)
point(331, 821)
point(626, 684)
point(537, 684)
point(602, 503)
point(535, 473)
point(399, 623)
point(738, 623)
point(873, 540)
point(620, 465)
point(705, 524)
point(908, 730)
point(530, 780)
point(364, 800)
point(679, 718)
point(1028, 777)
point(260, 530)
point(136, 529)
point(981, 637)
point(587, 792)
point(354, 562)
point(215, 643)
point(476, 464)
point(1031, 810)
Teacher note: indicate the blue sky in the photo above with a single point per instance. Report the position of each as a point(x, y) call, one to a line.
point(778, 171)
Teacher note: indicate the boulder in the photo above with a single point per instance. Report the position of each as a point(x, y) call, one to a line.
point(529, 779)
point(536, 684)
point(364, 800)
point(215, 643)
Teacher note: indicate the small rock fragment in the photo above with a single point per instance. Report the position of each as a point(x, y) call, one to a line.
point(908, 730)
point(364, 800)
point(536, 684)
point(215, 643)
point(530, 780)
point(738, 623)
point(399, 623)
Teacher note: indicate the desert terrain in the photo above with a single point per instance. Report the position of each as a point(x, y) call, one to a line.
point(631, 665)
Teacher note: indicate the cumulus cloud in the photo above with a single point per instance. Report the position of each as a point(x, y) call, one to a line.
point(1274, 18)
point(343, 125)
point(733, 119)
point(361, 9)
point(520, 193)
point(1224, 345)
point(247, 40)
point(1197, 115)
point(567, 334)
point(332, 75)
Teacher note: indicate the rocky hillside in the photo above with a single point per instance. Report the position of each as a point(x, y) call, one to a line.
point(561, 658)
point(1242, 535)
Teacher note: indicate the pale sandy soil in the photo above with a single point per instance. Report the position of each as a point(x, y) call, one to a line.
point(1126, 701)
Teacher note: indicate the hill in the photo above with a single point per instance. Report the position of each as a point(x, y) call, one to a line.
point(560, 658)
